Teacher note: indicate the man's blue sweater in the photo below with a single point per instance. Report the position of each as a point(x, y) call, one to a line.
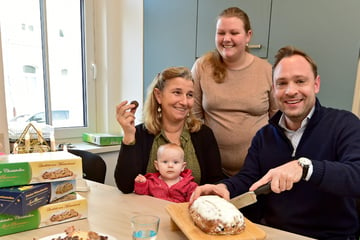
point(323, 207)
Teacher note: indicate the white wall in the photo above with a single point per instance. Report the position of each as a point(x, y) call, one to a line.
point(119, 58)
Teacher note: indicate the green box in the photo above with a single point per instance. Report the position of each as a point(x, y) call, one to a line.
point(46, 215)
point(31, 168)
point(102, 139)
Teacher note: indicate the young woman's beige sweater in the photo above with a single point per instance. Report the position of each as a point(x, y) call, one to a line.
point(235, 109)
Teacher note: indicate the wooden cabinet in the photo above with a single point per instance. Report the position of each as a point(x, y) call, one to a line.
point(177, 32)
point(328, 30)
point(257, 10)
point(169, 35)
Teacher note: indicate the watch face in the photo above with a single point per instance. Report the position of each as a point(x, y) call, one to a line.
point(304, 161)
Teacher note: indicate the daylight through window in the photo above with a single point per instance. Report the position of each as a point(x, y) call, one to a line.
point(43, 59)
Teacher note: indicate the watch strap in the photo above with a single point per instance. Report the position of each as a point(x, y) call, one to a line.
point(305, 171)
point(305, 164)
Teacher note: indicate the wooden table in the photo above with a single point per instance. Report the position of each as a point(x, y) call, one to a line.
point(110, 212)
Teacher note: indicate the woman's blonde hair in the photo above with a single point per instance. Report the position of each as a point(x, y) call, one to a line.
point(214, 57)
point(152, 120)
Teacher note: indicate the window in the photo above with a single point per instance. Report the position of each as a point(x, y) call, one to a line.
point(45, 58)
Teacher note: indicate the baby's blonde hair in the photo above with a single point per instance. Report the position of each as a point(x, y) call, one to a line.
point(167, 146)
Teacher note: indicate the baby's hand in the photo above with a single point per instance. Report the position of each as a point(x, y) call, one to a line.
point(140, 179)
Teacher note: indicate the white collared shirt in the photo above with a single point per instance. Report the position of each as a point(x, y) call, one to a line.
point(295, 136)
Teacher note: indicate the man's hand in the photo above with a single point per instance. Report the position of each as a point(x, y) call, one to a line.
point(282, 178)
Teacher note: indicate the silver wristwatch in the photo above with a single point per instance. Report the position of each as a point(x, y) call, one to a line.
point(305, 164)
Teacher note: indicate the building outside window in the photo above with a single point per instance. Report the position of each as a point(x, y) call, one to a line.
point(44, 63)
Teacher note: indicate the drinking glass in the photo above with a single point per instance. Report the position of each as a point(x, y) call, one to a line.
point(145, 227)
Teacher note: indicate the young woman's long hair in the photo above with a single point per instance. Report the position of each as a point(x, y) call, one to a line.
point(214, 57)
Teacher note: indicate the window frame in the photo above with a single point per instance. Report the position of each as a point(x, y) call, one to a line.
point(68, 133)
point(118, 45)
point(63, 134)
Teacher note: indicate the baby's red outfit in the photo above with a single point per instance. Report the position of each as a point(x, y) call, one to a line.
point(156, 187)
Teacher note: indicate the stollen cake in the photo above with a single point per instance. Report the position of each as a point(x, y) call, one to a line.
point(214, 215)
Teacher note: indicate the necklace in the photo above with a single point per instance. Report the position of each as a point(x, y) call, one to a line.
point(173, 137)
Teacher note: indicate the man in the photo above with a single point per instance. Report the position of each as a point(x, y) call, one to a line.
point(309, 153)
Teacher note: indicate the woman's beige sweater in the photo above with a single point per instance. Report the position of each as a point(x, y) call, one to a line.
point(235, 109)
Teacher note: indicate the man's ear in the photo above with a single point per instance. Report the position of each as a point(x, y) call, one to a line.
point(317, 84)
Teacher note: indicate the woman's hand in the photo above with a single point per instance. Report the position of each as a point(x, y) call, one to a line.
point(125, 115)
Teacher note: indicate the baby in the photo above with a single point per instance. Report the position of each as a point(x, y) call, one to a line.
point(172, 182)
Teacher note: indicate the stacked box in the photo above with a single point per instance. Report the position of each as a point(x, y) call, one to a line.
point(60, 189)
point(30, 168)
point(102, 139)
point(47, 215)
point(21, 200)
point(38, 190)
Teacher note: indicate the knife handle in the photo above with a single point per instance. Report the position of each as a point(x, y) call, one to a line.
point(264, 189)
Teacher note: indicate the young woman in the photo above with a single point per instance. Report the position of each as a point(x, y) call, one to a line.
point(233, 89)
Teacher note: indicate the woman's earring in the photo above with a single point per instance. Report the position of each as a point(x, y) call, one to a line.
point(188, 119)
point(159, 112)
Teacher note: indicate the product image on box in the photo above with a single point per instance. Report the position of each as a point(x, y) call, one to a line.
point(30, 168)
point(60, 189)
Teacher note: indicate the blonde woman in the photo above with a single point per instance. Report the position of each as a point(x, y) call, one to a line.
point(167, 118)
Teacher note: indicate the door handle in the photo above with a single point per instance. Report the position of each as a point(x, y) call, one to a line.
point(254, 46)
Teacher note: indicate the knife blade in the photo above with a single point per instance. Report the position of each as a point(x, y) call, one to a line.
point(249, 198)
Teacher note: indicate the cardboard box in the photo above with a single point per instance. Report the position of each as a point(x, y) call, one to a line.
point(46, 215)
point(30, 168)
point(21, 200)
point(102, 139)
point(60, 189)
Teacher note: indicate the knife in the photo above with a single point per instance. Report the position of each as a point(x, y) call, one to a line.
point(249, 198)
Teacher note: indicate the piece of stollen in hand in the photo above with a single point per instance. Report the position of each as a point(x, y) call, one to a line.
point(136, 105)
